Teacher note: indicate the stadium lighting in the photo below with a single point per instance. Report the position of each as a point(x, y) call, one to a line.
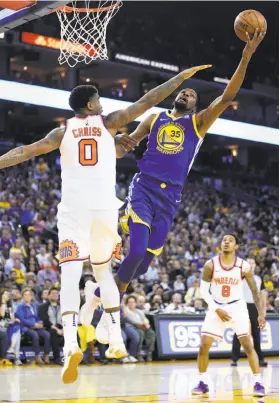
point(53, 98)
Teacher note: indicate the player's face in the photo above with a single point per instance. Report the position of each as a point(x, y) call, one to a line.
point(228, 244)
point(186, 100)
point(94, 105)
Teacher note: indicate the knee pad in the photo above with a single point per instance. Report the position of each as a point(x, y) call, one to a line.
point(70, 294)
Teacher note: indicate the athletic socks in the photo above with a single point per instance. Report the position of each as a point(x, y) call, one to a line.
point(114, 327)
point(203, 377)
point(257, 378)
point(70, 323)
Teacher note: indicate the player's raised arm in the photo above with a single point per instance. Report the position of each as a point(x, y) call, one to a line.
point(207, 117)
point(256, 296)
point(142, 131)
point(23, 153)
point(155, 96)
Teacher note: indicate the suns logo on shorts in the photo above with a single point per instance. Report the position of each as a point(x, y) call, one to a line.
point(170, 138)
point(68, 251)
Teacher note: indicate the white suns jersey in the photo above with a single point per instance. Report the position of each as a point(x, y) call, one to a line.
point(88, 165)
point(226, 285)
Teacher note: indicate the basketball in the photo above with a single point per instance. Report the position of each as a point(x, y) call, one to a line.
point(248, 21)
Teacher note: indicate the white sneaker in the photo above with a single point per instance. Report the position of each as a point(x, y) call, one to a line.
point(102, 330)
point(126, 360)
point(132, 359)
point(92, 302)
point(72, 357)
point(18, 362)
point(117, 351)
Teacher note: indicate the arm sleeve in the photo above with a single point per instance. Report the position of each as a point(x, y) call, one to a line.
point(205, 294)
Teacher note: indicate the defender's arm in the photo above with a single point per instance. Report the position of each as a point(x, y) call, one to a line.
point(49, 143)
point(155, 96)
point(142, 131)
point(207, 117)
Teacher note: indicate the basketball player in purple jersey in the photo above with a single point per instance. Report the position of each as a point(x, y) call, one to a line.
point(155, 193)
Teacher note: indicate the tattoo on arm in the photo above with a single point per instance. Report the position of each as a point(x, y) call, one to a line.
point(256, 295)
point(152, 98)
point(17, 155)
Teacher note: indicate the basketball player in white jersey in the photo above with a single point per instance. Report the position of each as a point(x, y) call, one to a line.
point(88, 212)
point(222, 289)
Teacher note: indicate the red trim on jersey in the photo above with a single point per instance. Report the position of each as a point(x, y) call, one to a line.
point(75, 260)
point(241, 269)
point(106, 261)
point(224, 268)
point(81, 117)
point(212, 334)
point(242, 335)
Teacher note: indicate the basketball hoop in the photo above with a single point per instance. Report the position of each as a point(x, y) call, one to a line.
point(83, 31)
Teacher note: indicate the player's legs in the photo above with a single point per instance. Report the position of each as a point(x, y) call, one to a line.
point(139, 238)
point(73, 250)
point(241, 325)
point(104, 238)
point(212, 329)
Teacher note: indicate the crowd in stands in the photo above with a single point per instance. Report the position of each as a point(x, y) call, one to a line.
point(30, 273)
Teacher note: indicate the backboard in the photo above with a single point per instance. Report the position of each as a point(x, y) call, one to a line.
point(15, 13)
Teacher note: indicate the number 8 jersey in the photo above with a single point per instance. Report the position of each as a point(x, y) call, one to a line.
point(88, 165)
point(226, 285)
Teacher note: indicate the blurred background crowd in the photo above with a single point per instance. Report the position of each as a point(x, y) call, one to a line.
point(30, 273)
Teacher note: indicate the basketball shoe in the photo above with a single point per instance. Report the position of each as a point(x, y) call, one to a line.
point(72, 357)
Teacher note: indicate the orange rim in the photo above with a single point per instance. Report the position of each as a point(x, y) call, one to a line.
point(69, 9)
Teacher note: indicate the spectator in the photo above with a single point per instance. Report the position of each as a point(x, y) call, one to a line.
point(20, 276)
point(47, 274)
point(268, 283)
point(199, 306)
point(194, 275)
point(179, 284)
point(193, 293)
point(50, 314)
point(142, 304)
point(15, 298)
point(165, 282)
point(176, 306)
point(9, 329)
point(42, 257)
point(136, 319)
point(6, 242)
point(33, 327)
point(152, 273)
point(11, 262)
point(9, 322)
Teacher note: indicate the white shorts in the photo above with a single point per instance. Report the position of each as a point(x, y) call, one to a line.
point(214, 327)
point(85, 234)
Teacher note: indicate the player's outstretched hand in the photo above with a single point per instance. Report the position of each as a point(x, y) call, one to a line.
point(127, 142)
point(193, 70)
point(253, 43)
point(261, 320)
point(223, 315)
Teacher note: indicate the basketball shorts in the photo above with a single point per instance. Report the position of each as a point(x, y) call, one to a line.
point(154, 204)
point(214, 327)
point(85, 234)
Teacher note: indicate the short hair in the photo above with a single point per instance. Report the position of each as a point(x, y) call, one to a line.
point(53, 289)
point(131, 297)
point(25, 290)
point(80, 96)
point(234, 236)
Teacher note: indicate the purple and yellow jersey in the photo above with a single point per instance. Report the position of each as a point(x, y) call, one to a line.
point(172, 147)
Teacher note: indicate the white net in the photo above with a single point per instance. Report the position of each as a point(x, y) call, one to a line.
point(83, 30)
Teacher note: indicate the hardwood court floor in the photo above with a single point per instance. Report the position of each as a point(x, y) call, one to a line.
point(161, 382)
